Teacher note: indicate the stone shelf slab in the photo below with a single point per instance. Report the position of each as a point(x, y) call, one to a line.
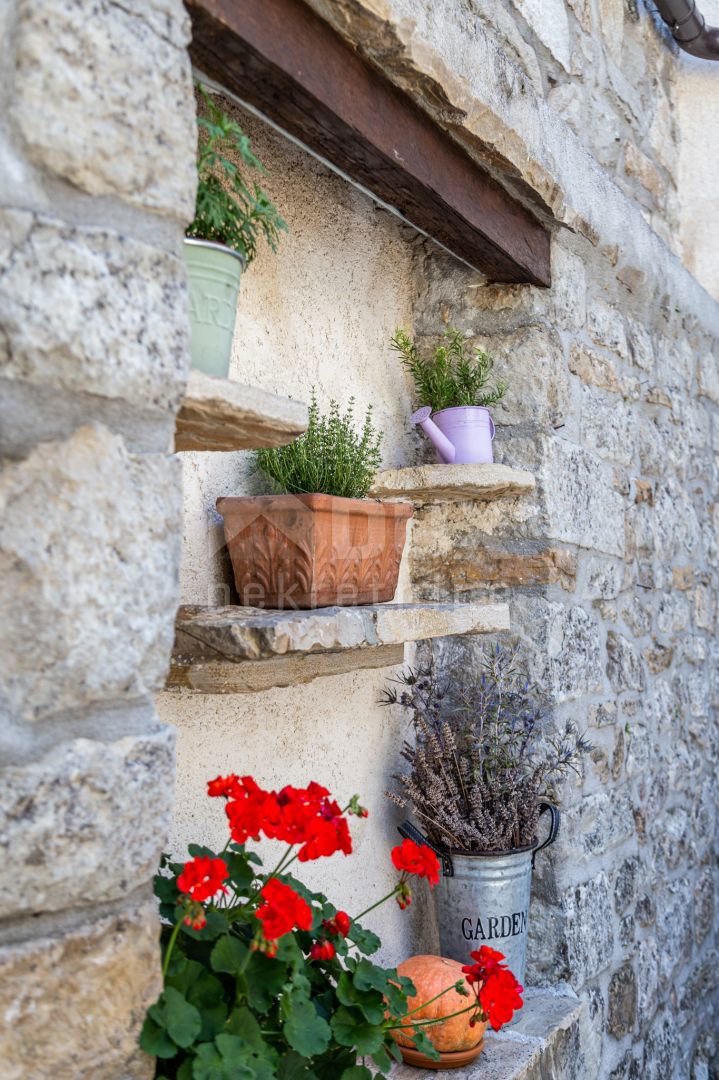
point(239, 649)
point(547, 1040)
point(444, 483)
point(217, 414)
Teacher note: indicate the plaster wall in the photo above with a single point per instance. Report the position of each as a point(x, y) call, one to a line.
point(319, 312)
point(698, 101)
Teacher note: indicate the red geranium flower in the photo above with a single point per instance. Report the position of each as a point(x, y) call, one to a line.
point(202, 877)
point(487, 961)
point(499, 996)
point(322, 950)
point(417, 859)
point(246, 810)
point(282, 910)
point(340, 924)
point(222, 786)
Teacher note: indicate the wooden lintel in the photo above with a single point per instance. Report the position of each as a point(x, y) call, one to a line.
point(282, 58)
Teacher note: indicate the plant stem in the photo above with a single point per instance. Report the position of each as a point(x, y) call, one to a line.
point(429, 1023)
point(373, 906)
point(170, 947)
point(426, 1003)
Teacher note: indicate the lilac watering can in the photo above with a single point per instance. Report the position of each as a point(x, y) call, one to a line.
point(461, 436)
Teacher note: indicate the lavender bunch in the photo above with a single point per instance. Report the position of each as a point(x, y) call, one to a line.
point(483, 755)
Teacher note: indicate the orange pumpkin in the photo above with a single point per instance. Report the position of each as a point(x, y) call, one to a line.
point(431, 975)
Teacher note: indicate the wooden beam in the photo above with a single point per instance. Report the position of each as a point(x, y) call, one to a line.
point(282, 58)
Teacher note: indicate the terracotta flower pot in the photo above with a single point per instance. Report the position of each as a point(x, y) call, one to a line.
point(309, 551)
point(449, 1059)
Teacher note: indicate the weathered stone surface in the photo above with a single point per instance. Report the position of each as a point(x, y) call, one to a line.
point(573, 652)
point(115, 95)
point(593, 368)
point(238, 633)
point(624, 666)
point(572, 939)
point(532, 362)
point(622, 1011)
point(445, 483)
point(605, 821)
point(607, 427)
point(467, 567)
point(88, 316)
point(705, 892)
point(89, 539)
point(217, 414)
point(86, 823)
point(625, 883)
point(582, 506)
point(74, 1004)
point(605, 324)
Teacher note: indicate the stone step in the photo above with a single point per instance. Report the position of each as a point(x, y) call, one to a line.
point(545, 1043)
point(422, 484)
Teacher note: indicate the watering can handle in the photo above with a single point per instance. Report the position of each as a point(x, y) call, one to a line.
point(492, 428)
point(553, 827)
point(411, 832)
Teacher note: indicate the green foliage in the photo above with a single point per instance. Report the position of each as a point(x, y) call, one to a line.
point(230, 1013)
point(453, 375)
point(229, 209)
point(332, 457)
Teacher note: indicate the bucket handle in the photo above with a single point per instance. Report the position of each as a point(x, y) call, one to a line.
point(553, 828)
point(410, 832)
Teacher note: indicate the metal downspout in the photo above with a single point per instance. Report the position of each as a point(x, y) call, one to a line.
point(689, 28)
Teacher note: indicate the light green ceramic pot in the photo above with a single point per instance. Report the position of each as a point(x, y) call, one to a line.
point(214, 273)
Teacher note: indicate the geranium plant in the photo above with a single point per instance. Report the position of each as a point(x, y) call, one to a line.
point(264, 978)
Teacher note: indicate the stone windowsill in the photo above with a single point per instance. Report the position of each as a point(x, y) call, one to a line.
point(217, 414)
point(240, 649)
point(445, 483)
point(545, 1041)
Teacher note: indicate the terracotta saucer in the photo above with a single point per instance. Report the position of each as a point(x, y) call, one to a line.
point(447, 1060)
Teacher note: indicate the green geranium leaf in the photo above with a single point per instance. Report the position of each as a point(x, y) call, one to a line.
point(180, 1019)
point(185, 1070)
point(351, 1029)
point(382, 1059)
point(200, 851)
point(229, 955)
point(241, 873)
point(154, 1040)
point(202, 990)
point(241, 1061)
point(165, 889)
point(293, 1066)
point(304, 1029)
point(208, 1064)
point(265, 979)
point(370, 1002)
point(365, 940)
point(423, 1044)
point(356, 1072)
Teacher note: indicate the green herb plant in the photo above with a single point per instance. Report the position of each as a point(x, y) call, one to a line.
point(333, 457)
point(230, 209)
point(455, 374)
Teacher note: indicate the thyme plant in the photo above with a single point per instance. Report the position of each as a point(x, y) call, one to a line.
point(455, 374)
point(483, 756)
point(332, 457)
point(230, 209)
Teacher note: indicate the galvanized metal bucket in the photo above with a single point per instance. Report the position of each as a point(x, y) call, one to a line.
point(213, 273)
point(483, 899)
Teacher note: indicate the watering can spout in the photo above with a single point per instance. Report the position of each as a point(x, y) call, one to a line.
point(445, 449)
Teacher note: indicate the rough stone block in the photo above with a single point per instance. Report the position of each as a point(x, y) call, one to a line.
point(89, 553)
point(115, 98)
point(589, 929)
point(624, 665)
point(86, 823)
point(467, 567)
point(608, 427)
point(108, 330)
point(622, 1001)
point(581, 504)
point(532, 362)
point(606, 326)
point(593, 368)
point(73, 1005)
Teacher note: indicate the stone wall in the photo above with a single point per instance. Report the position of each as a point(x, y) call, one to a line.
point(96, 183)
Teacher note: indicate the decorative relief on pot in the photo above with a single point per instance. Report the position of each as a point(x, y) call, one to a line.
point(307, 551)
